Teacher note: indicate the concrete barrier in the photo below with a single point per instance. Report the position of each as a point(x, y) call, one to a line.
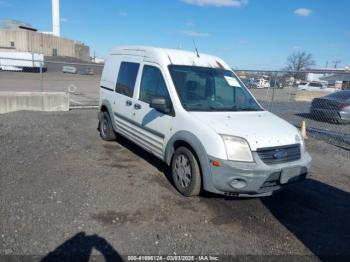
point(33, 101)
point(308, 96)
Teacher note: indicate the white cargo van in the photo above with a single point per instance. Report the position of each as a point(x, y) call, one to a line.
point(194, 113)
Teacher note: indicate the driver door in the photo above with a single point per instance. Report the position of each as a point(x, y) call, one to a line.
point(154, 125)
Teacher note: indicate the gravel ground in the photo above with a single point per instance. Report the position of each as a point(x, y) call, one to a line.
point(65, 191)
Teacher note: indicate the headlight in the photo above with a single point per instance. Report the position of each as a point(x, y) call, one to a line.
point(237, 149)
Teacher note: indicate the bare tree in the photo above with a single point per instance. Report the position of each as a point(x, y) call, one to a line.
point(298, 61)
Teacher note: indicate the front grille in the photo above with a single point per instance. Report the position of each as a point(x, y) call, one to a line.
point(278, 155)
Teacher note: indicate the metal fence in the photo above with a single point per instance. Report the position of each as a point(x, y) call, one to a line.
point(80, 79)
point(295, 96)
point(316, 97)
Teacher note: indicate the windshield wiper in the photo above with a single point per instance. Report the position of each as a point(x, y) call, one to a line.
point(237, 109)
point(221, 108)
point(247, 109)
point(200, 106)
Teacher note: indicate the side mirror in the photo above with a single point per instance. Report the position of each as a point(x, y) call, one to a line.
point(160, 104)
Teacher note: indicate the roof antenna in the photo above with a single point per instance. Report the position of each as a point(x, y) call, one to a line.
point(195, 47)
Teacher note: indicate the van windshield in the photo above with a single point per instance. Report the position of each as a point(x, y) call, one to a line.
point(211, 89)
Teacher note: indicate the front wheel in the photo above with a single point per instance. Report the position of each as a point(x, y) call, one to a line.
point(106, 128)
point(186, 172)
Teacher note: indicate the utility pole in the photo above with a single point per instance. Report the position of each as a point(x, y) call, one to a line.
point(336, 63)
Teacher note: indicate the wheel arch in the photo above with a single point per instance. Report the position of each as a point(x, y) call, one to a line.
point(104, 108)
point(107, 107)
point(185, 138)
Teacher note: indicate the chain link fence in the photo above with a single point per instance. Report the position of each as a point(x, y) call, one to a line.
point(80, 79)
point(318, 97)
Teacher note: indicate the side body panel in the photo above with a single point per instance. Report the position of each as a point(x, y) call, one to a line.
point(123, 105)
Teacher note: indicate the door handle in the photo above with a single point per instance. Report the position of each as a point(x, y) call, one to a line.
point(137, 106)
point(128, 103)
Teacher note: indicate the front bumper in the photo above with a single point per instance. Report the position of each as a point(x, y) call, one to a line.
point(256, 179)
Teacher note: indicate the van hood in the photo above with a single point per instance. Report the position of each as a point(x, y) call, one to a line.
point(260, 129)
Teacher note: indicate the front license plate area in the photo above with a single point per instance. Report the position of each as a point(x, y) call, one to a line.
point(290, 174)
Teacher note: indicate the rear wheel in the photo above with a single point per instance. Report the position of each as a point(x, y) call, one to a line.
point(106, 128)
point(186, 172)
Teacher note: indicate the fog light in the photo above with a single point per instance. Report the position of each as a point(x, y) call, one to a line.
point(238, 183)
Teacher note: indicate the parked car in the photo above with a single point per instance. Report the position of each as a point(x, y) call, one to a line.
point(263, 83)
point(192, 112)
point(312, 86)
point(249, 83)
point(86, 71)
point(335, 106)
point(69, 70)
point(278, 83)
point(246, 82)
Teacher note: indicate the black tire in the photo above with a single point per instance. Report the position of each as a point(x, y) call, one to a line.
point(106, 128)
point(186, 172)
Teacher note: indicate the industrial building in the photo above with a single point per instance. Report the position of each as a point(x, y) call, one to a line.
point(18, 36)
point(340, 81)
point(336, 77)
point(22, 37)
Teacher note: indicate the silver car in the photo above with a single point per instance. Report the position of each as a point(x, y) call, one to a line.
point(335, 106)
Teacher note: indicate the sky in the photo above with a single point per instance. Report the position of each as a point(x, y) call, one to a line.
point(247, 34)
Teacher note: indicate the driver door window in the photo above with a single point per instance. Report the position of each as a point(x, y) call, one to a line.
point(152, 85)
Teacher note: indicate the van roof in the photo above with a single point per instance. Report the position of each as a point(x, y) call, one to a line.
point(171, 56)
